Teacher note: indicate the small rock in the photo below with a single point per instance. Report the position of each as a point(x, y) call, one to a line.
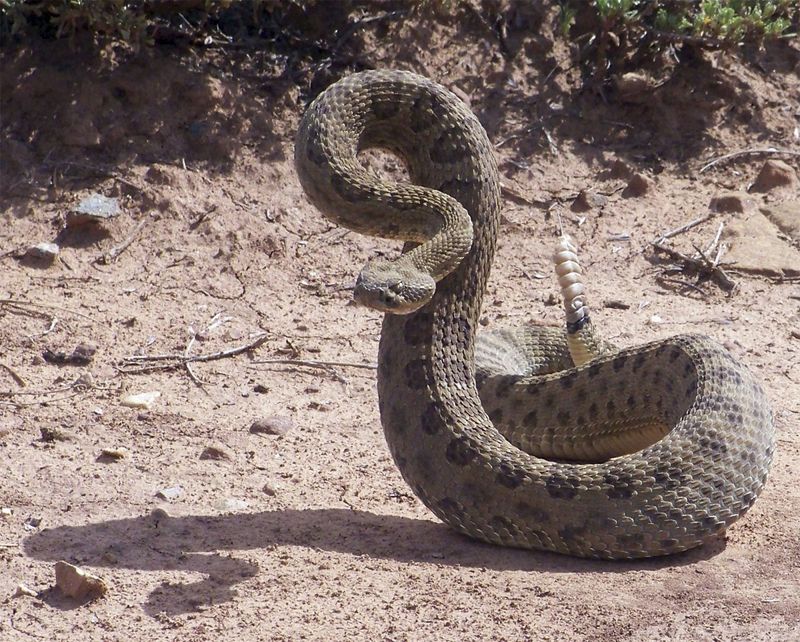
point(31, 523)
point(158, 515)
point(229, 505)
point(50, 434)
point(756, 247)
point(269, 489)
point(216, 452)
point(78, 583)
point(85, 380)
point(587, 200)
point(773, 174)
point(83, 353)
point(159, 175)
point(95, 209)
point(24, 591)
point(786, 217)
point(732, 203)
point(173, 492)
point(5, 511)
point(110, 556)
point(633, 86)
point(44, 252)
point(619, 169)
point(80, 356)
point(260, 389)
point(637, 186)
point(113, 453)
point(655, 320)
point(275, 425)
point(142, 400)
point(322, 406)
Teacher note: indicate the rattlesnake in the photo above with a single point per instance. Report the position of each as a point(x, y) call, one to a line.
point(686, 434)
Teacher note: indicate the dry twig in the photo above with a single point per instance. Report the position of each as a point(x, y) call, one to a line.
point(115, 251)
point(21, 305)
point(683, 228)
point(136, 364)
point(14, 375)
point(318, 364)
point(703, 267)
point(772, 151)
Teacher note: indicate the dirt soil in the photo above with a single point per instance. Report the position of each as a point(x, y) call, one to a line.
point(312, 534)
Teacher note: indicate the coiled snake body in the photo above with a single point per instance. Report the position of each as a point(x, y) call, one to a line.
point(637, 452)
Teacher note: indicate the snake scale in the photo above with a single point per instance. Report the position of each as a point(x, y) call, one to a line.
point(615, 454)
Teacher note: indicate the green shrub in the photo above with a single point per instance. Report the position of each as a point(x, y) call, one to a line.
point(613, 33)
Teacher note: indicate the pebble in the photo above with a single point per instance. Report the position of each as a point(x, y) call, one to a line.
point(274, 425)
point(634, 87)
point(786, 217)
point(216, 452)
point(619, 169)
point(83, 353)
point(230, 505)
point(142, 400)
point(637, 186)
point(95, 208)
point(732, 203)
point(44, 251)
point(50, 434)
point(24, 591)
point(774, 174)
point(587, 200)
point(78, 583)
point(158, 515)
point(114, 453)
point(269, 490)
point(173, 492)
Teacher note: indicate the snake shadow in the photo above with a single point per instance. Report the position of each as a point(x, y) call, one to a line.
point(202, 544)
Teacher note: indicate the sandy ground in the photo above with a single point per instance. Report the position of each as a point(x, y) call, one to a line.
point(312, 535)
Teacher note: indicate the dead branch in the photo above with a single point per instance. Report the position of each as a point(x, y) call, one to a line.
point(318, 364)
point(147, 363)
point(115, 251)
point(23, 304)
point(703, 267)
point(14, 375)
point(683, 228)
point(771, 151)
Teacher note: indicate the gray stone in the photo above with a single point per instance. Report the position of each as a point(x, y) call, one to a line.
point(274, 425)
point(44, 251)
point(95, 208)
point(587, 200)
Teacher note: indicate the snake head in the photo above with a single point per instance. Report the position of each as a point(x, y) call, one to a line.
point(393, 288)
